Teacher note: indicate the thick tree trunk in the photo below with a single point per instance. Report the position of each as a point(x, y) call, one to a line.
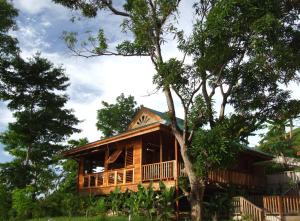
point(196, 199)
point(197, 185)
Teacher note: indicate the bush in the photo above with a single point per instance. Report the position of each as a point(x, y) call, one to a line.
point(22, 202)
point(5, 205)
point(145, 202)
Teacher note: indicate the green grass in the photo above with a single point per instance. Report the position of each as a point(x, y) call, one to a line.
point(112, 218)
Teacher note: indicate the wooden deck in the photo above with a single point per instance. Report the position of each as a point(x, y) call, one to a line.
point(233, 178)
point(107, 181)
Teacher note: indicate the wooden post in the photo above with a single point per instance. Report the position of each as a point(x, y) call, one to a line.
point(280, 206)
point(176, 160)
point(176, 177)
point(115, 178)
point(160, 154)
point(105, 175)
point(80, 174)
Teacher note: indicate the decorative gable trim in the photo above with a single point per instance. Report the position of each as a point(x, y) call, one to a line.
point(142, 118)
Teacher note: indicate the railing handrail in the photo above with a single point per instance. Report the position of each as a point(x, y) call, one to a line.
point(282, 205)
point(105, 177)
point(158, 171)
point(91, 174)
point(229, 176)
point(149, 164)
point(251, 209)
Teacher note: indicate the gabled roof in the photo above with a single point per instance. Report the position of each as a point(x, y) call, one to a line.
point(145, 121)
point(145, 116)
point(165, 116)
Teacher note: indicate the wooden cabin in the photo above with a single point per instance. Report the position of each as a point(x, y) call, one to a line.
point(147, 152)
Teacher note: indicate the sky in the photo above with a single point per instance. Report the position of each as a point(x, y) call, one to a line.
point(40, 27)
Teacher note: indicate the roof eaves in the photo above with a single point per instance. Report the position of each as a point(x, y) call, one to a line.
point(107, 140)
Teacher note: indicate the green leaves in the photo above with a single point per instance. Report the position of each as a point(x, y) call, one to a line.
point(8, 44)
point(215, 148)
point(170, 73)
point(115, 118)
point(34, 91)
point(146, 202)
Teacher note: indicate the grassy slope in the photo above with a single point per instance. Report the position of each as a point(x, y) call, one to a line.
point(114, 218)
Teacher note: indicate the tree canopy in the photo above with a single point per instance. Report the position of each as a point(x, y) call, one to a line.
point(8, 44)
point(114, 118)
point(34, 92)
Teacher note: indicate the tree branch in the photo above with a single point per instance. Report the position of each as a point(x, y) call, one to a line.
point(108, 4)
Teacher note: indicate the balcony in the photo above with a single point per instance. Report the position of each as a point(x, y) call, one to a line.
point(109, 178)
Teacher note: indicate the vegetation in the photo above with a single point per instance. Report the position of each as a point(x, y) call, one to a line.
point(96, 218)
point(280, 143)
point(241, 51)
point(145, 202)
point(34, 90)
point(8, 44)
point(113, 119)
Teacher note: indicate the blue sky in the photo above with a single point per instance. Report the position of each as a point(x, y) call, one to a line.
point(40, 26)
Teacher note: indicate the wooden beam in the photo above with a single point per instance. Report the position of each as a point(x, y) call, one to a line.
point(176, 177)
point(176, 157)
point(160, 146)
point(160, 153)
point(80, 173)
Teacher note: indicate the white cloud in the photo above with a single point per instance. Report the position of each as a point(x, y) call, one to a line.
point(33, 6)
point(32, 38)
point(111, 76)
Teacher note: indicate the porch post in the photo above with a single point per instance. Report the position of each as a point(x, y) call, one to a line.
point(160, 154)
point(80, 174)
point(176, 177)
point(176, 159)
point(105, 175)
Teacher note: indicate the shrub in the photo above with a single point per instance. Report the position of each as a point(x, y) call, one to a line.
point(22, 202)
point(145, 202)
point(5, 205)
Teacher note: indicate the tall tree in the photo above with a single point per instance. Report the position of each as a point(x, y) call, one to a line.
point(115, 118)
point(34, 90)
point(242, 52)
point(8, 44)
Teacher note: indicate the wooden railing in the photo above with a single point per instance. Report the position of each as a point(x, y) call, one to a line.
point(93, 180)
point(287, 177)
point(243, 206)
point(282, 205)
point(159, 171)
point(108, 178)
point(231, 177)
point(237, 178)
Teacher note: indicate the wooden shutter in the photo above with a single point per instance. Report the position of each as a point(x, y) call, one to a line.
point(129, 156)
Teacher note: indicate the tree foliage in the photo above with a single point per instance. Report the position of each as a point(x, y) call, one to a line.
point(8, 44)
point(115, 118)
point(34, 92)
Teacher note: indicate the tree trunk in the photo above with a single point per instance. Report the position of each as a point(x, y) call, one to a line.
point(197, 185)
point(214, 217)
point(196, 199)
point(291, 128)
point(28, 151)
